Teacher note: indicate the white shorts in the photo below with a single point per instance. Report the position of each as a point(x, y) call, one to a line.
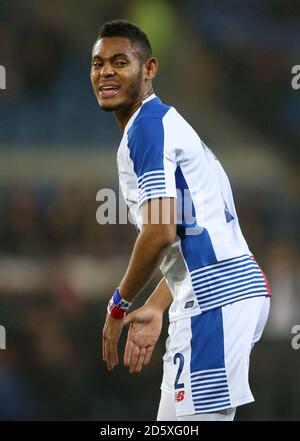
point(206, 364)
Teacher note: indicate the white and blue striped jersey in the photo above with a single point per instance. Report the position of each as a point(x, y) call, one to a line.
point(209, 264)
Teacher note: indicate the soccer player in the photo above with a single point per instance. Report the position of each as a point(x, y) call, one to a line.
point(181, 201)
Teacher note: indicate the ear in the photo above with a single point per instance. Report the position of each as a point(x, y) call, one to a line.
point(151, 67)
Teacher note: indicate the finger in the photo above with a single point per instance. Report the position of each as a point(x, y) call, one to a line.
point(134, 358)
point(104, 340)
point(108, 355)
point(114, 353)
point(103, 346)
point(140, 360)
point(103, 351)
point(148, 354)
point(128, 352)
point(107, 351)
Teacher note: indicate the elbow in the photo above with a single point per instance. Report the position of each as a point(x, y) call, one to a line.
point(168, 238)
point(162, 235)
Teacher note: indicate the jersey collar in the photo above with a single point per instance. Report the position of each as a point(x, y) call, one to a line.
point(132, 118)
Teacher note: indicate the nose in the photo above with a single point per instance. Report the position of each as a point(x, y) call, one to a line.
point(106, 71)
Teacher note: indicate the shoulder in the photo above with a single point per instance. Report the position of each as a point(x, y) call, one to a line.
point(153, 109)
point(148, 126)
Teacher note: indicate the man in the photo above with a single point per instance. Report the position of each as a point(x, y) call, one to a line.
point(219, 297)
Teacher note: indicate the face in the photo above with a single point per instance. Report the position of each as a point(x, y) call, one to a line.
point(118, 76)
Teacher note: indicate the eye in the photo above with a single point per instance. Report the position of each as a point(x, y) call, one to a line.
point(121, 63)
point(97, 64)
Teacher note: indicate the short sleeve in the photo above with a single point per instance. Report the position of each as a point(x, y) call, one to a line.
point(153, 159)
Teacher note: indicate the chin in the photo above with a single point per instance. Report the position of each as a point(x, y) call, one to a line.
point(110, 107)
point(115, 104)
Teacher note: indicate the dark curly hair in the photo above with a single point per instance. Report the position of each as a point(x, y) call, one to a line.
point(126, 29)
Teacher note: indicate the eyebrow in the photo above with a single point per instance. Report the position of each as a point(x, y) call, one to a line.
point(119, 54)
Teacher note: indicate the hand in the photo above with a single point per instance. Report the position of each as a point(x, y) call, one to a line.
point(111, 333)
point(145, 328)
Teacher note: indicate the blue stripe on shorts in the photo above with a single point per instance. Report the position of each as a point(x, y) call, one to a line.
point(209, 384)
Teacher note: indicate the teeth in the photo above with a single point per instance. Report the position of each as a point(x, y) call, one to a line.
point(108, 87)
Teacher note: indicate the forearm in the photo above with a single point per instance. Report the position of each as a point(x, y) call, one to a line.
point(161, 298)
point(148, 253)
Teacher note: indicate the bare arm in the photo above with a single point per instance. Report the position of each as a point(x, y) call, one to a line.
point(150, 247)
point(149, 251)
point(161, 298)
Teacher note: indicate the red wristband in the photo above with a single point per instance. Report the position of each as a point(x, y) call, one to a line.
point(118, 307)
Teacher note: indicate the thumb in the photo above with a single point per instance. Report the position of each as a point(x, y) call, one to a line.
point(129, 318)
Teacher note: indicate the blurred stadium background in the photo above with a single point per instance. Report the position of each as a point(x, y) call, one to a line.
point(226, 66)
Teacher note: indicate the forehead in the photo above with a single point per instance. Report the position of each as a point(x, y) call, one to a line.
point(108, 46)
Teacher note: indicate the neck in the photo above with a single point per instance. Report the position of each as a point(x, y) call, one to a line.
point(124, 115)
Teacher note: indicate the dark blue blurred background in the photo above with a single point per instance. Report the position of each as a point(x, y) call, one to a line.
point(226, 66)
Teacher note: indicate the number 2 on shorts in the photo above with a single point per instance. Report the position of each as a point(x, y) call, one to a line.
point(179, 357)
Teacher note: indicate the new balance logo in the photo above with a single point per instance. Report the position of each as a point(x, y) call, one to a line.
point(179, 396)
point(189, 304)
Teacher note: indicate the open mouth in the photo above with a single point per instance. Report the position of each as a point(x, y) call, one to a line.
point(108, 91)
